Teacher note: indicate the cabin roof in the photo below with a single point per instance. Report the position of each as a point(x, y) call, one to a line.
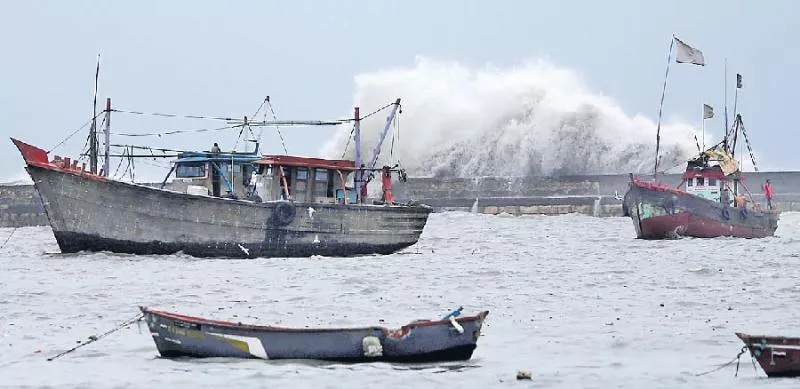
point(290, 160)
point(203, 156)
point(708, 171)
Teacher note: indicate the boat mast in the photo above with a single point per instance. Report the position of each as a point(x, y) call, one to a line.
point(727, 129)
point(357, 140)
point(388, 125)
point(107, 136)
point(93, 129)
point(661, 106)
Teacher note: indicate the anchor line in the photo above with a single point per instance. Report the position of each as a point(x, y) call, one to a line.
point(94, 338)
point(724, 365)
point(8, 238)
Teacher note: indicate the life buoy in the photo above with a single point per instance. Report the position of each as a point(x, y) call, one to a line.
point(283, 213)
point(726, 214)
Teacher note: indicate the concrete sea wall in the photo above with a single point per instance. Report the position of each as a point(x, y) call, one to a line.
point(20, 206)
point(597, 195)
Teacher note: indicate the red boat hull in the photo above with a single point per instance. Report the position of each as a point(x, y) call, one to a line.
point(660, 212)
point(778, 356)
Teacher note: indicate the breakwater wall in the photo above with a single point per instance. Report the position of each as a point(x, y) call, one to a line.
point(595, 195)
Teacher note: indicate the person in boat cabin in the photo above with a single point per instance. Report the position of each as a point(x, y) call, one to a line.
point(725, 197)
point(215, 149)
point(768, 193)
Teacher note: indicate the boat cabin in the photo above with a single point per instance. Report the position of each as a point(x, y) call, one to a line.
point(711, 182)
point(249, 176)
point(304, 179)
point(214, 173)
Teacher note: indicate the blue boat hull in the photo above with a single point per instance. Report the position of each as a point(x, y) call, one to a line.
point(423, 341)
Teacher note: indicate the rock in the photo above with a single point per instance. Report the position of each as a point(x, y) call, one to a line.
point(523, 375)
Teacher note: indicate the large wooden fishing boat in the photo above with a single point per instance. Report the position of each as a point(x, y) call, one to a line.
point(228, 205)
point(712, 198)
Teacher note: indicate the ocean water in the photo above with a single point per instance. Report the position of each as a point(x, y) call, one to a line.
point(575, 300)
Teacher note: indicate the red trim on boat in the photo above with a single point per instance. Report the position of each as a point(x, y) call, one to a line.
point(403, 330)
point(289, 160)
point(37, 157)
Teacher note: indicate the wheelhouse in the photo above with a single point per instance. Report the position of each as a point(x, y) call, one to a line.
point(720, 182)
point(214, 174)
point(303, 179)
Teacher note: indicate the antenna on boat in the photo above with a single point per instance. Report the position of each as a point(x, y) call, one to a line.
point(107, 136)
point(93, 128)
point(727, 129)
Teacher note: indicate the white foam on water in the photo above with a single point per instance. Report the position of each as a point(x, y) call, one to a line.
point(531, 119)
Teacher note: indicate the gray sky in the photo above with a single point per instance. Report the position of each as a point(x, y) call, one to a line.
point(222, 58)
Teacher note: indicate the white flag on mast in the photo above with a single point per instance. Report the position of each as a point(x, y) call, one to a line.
point(708, 111)
point(688, 54)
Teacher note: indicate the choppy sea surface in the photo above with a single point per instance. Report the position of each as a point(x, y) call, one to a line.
point(575, 300)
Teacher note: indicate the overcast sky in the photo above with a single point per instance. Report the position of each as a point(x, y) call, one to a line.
point(222, 58)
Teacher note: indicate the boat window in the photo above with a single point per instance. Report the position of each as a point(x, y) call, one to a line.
point(321, 183)
point(302, 173)
point(689, 182)
point(189, 170)
point(320, 174)
point(301, 185)
point(700, 181)
point(237, 168)
point(712, 182)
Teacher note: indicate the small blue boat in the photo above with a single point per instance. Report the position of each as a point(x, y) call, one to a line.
point(451, 338)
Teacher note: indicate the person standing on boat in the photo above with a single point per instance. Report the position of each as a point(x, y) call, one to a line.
point(768, 193)
point(215, 149)
point(725, 198)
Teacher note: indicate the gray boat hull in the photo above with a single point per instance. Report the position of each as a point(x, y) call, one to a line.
point(91, 213)
point(424, 341)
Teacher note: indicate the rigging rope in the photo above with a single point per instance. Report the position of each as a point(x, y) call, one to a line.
point(172, 115)
point(747, 142)
point(274, 117)
point(74, 132)
point(173, 132)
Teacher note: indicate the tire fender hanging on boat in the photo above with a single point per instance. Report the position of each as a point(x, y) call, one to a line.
point(283, 213)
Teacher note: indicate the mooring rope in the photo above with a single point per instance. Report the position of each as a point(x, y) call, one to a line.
point(94, 338)
point(724, 365)
point(8, 238)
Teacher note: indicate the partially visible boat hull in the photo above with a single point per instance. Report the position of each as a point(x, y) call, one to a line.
point(778, 356)
point(663, 213)
point(424, 341)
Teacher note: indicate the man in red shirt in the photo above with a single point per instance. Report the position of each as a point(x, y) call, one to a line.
point(768, 193)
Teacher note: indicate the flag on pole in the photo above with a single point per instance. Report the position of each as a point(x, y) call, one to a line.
point(738, 81)
point(688, 54)
point(708, 111)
